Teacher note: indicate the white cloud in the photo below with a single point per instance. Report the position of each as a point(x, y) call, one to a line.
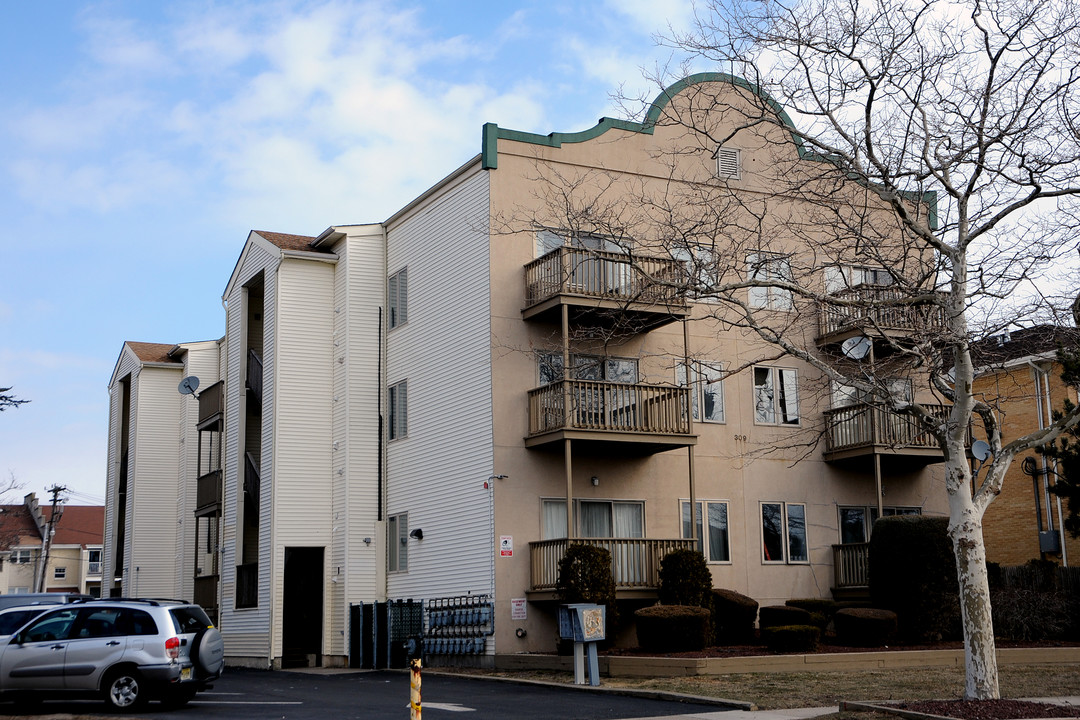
point(655, 16)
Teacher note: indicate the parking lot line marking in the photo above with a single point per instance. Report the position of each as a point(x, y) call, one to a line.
point(246, 702)
point(452, 707)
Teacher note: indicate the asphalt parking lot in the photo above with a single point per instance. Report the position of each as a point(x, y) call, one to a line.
point(243, 694)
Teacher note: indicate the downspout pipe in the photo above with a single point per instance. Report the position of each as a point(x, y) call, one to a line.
point(1035, 478)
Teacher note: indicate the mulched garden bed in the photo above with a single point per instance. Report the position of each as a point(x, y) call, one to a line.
point(750, 650)
point(987, 709)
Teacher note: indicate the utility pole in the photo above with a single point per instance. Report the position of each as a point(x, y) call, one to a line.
point(54, 516)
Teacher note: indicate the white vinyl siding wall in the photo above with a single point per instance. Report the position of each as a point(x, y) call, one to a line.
point(358, 297)
point(152, 489)
point(436, 474)
point(301, 485)
point(126, 365)
point(246, 631)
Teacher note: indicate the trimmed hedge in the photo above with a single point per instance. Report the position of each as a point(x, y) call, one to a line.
point(821, 610)
point(913, 573)
point(672, 628)
point(864, 627)
point(779, 615)
point(685, 579)
point(585, 577)
point(791, 638)
point(733, 617)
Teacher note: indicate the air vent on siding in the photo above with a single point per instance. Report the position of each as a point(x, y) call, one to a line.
point(727, 163)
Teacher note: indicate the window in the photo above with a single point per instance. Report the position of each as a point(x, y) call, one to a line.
point(846, 395)
point(707, 393)
point(776, 396)
point(398, 410)
point(768, 268)
point(397, 298)
point(20, 557)
point(700, 271)
point(93, 558)
point(842, 277)
point(856, 522)
point(595, 519)
point(397, 543)
point(714, 536)
point(783, 533)
point(728, 163)
point(59, 573)
point(587, 367)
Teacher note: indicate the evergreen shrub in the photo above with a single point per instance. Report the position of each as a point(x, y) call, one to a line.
point(791, 638)
point(864, 627)
point(733, 617)
point(779, 615)
point(672, 628)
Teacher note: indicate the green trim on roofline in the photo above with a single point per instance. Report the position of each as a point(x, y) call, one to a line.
point(492, 133)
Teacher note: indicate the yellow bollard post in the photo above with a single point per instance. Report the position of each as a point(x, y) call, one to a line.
point(414, 690)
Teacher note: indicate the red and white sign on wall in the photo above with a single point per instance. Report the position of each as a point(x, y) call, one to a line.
point(506, 546)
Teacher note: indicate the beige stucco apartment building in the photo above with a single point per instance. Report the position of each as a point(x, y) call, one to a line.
point(398, 421)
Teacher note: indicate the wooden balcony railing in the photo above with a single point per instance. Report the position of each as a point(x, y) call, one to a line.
point(252, 482)
point(598, 405)
point(603, 275)
point(210, 404)
point(208, 490)
point(255, 377)
point(865, 426)
point(206, 587)
point(851, 565)
point(635, 562)
point(247, 585)
point(879, 306)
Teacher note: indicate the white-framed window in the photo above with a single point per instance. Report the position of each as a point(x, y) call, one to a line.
point(93, 560)
point(594, 518)
point(397, 298)
point(397, 403)
point(776, 396)
point(843, 277)
point(783, 533)
point(728, 163)
point(59, 573)
point(22, 590)
point(707, 392)
point(397, 543)
point(766, 268)
point(856, 522)
point(713, 536)
point(700, 270)
point(20, 557)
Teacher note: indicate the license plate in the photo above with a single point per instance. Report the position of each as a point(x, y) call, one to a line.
point(185, 673)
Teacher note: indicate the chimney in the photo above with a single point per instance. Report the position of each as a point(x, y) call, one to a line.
point(31, 503)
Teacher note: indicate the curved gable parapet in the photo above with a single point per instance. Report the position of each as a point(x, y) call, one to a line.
point(493, 133)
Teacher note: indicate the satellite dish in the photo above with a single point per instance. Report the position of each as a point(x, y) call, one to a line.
point(856, 348)
point(189, 385)
point(980, 450)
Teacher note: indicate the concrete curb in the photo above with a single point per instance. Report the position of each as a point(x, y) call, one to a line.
point(629, 692)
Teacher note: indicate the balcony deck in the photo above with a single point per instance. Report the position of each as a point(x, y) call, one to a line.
point(604, 288)
point(876, 311)
point(650, 418)
point(635, 563)
point(864, 430)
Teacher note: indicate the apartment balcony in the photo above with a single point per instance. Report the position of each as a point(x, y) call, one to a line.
point(255, 380)
point(211, 406)
point(635, 564)
point(208, 493)
point(851, 571)
point(876, 311)
point(610, 417)
point(862, 431)
point(604, 288)
point(206, 594)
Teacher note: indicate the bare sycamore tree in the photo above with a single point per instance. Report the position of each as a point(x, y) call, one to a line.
point(901, 171)
point(937, 142)
point(8, 399)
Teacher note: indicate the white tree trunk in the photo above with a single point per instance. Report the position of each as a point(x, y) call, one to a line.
point(965, 529)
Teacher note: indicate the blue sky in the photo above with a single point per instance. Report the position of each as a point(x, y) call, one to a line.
point(140, 141)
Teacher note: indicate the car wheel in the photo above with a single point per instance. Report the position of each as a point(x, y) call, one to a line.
point(208, 652)
point(124, 690)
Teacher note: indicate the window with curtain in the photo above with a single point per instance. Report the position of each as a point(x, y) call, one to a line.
point(765, 268)
point(776, 396)
point(595, 518)
point(707, 392)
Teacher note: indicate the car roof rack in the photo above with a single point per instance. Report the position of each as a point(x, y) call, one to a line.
point(148, 601)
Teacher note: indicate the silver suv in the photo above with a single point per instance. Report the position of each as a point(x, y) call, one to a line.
point(125, 651)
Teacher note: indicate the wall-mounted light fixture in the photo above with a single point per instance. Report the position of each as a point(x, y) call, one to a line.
point(595, 481)
point(417, 533)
